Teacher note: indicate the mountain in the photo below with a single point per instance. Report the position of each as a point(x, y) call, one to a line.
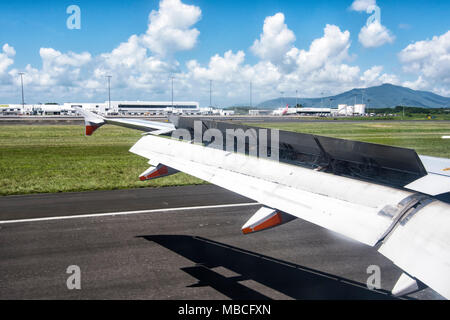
point(384, 96)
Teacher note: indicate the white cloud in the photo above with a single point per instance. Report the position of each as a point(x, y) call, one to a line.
point(61, 68)
point(362, 5)
point(429, 58)
point(231, 78)
point(375, 35)
point(169, 28)
point(53, 58)
point(8, 50)
point(310, 71)
point(6, 58)
point(220, 68)
point(375, 77)
point(332, 48)
point(130, 64)
point(419, 84)
point(275, 41)
point(128, 54)
point(134, 69)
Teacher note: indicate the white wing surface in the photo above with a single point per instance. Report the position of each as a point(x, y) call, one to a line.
point(414, 227)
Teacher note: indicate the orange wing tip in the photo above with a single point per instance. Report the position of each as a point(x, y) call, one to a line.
point(90, 129)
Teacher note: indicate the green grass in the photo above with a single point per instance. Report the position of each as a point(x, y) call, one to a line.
point(43, 159)
point(396, 117)
point(424, 137)
point(50, 158)
point(424, 116)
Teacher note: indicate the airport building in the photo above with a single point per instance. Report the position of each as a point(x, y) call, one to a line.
point(105, 108)
point(140, 107)
point(342, 110)
point(34, 109)
point(345, 110)
point(314, 111)
point(154, 108)
point(263, 112)
point(10, 109)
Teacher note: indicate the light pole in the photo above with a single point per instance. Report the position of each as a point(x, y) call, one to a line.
point(296, 98)
point(23, 99)
point(109, 92)
point(251, 104)
point(210, 93)
point(172, 91)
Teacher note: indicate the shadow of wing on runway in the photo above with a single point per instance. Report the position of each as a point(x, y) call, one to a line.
point(229, 287)
point(290, 279)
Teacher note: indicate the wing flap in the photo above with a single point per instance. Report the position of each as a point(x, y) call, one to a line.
point(432, 184)
point(420, 245)
point(436, 165)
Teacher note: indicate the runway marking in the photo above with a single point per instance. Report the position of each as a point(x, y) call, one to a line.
point(123, 213)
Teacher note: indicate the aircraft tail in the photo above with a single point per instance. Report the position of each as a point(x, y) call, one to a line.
point(92, 121)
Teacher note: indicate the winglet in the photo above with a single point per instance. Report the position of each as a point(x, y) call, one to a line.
point(92, 121)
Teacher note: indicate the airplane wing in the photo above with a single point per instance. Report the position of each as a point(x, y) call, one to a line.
point(94, 121)
point(409, 228)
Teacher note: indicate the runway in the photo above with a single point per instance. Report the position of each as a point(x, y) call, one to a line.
point(182, 243)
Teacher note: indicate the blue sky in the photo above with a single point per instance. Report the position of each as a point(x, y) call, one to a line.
point(27, 26)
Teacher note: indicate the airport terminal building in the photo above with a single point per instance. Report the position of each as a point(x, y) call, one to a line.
point(106, 108)
point(140, 107)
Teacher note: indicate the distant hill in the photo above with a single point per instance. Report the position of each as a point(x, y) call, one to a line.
point(384, 96)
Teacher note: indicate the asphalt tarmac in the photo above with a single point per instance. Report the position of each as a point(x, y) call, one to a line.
point(182, 243)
